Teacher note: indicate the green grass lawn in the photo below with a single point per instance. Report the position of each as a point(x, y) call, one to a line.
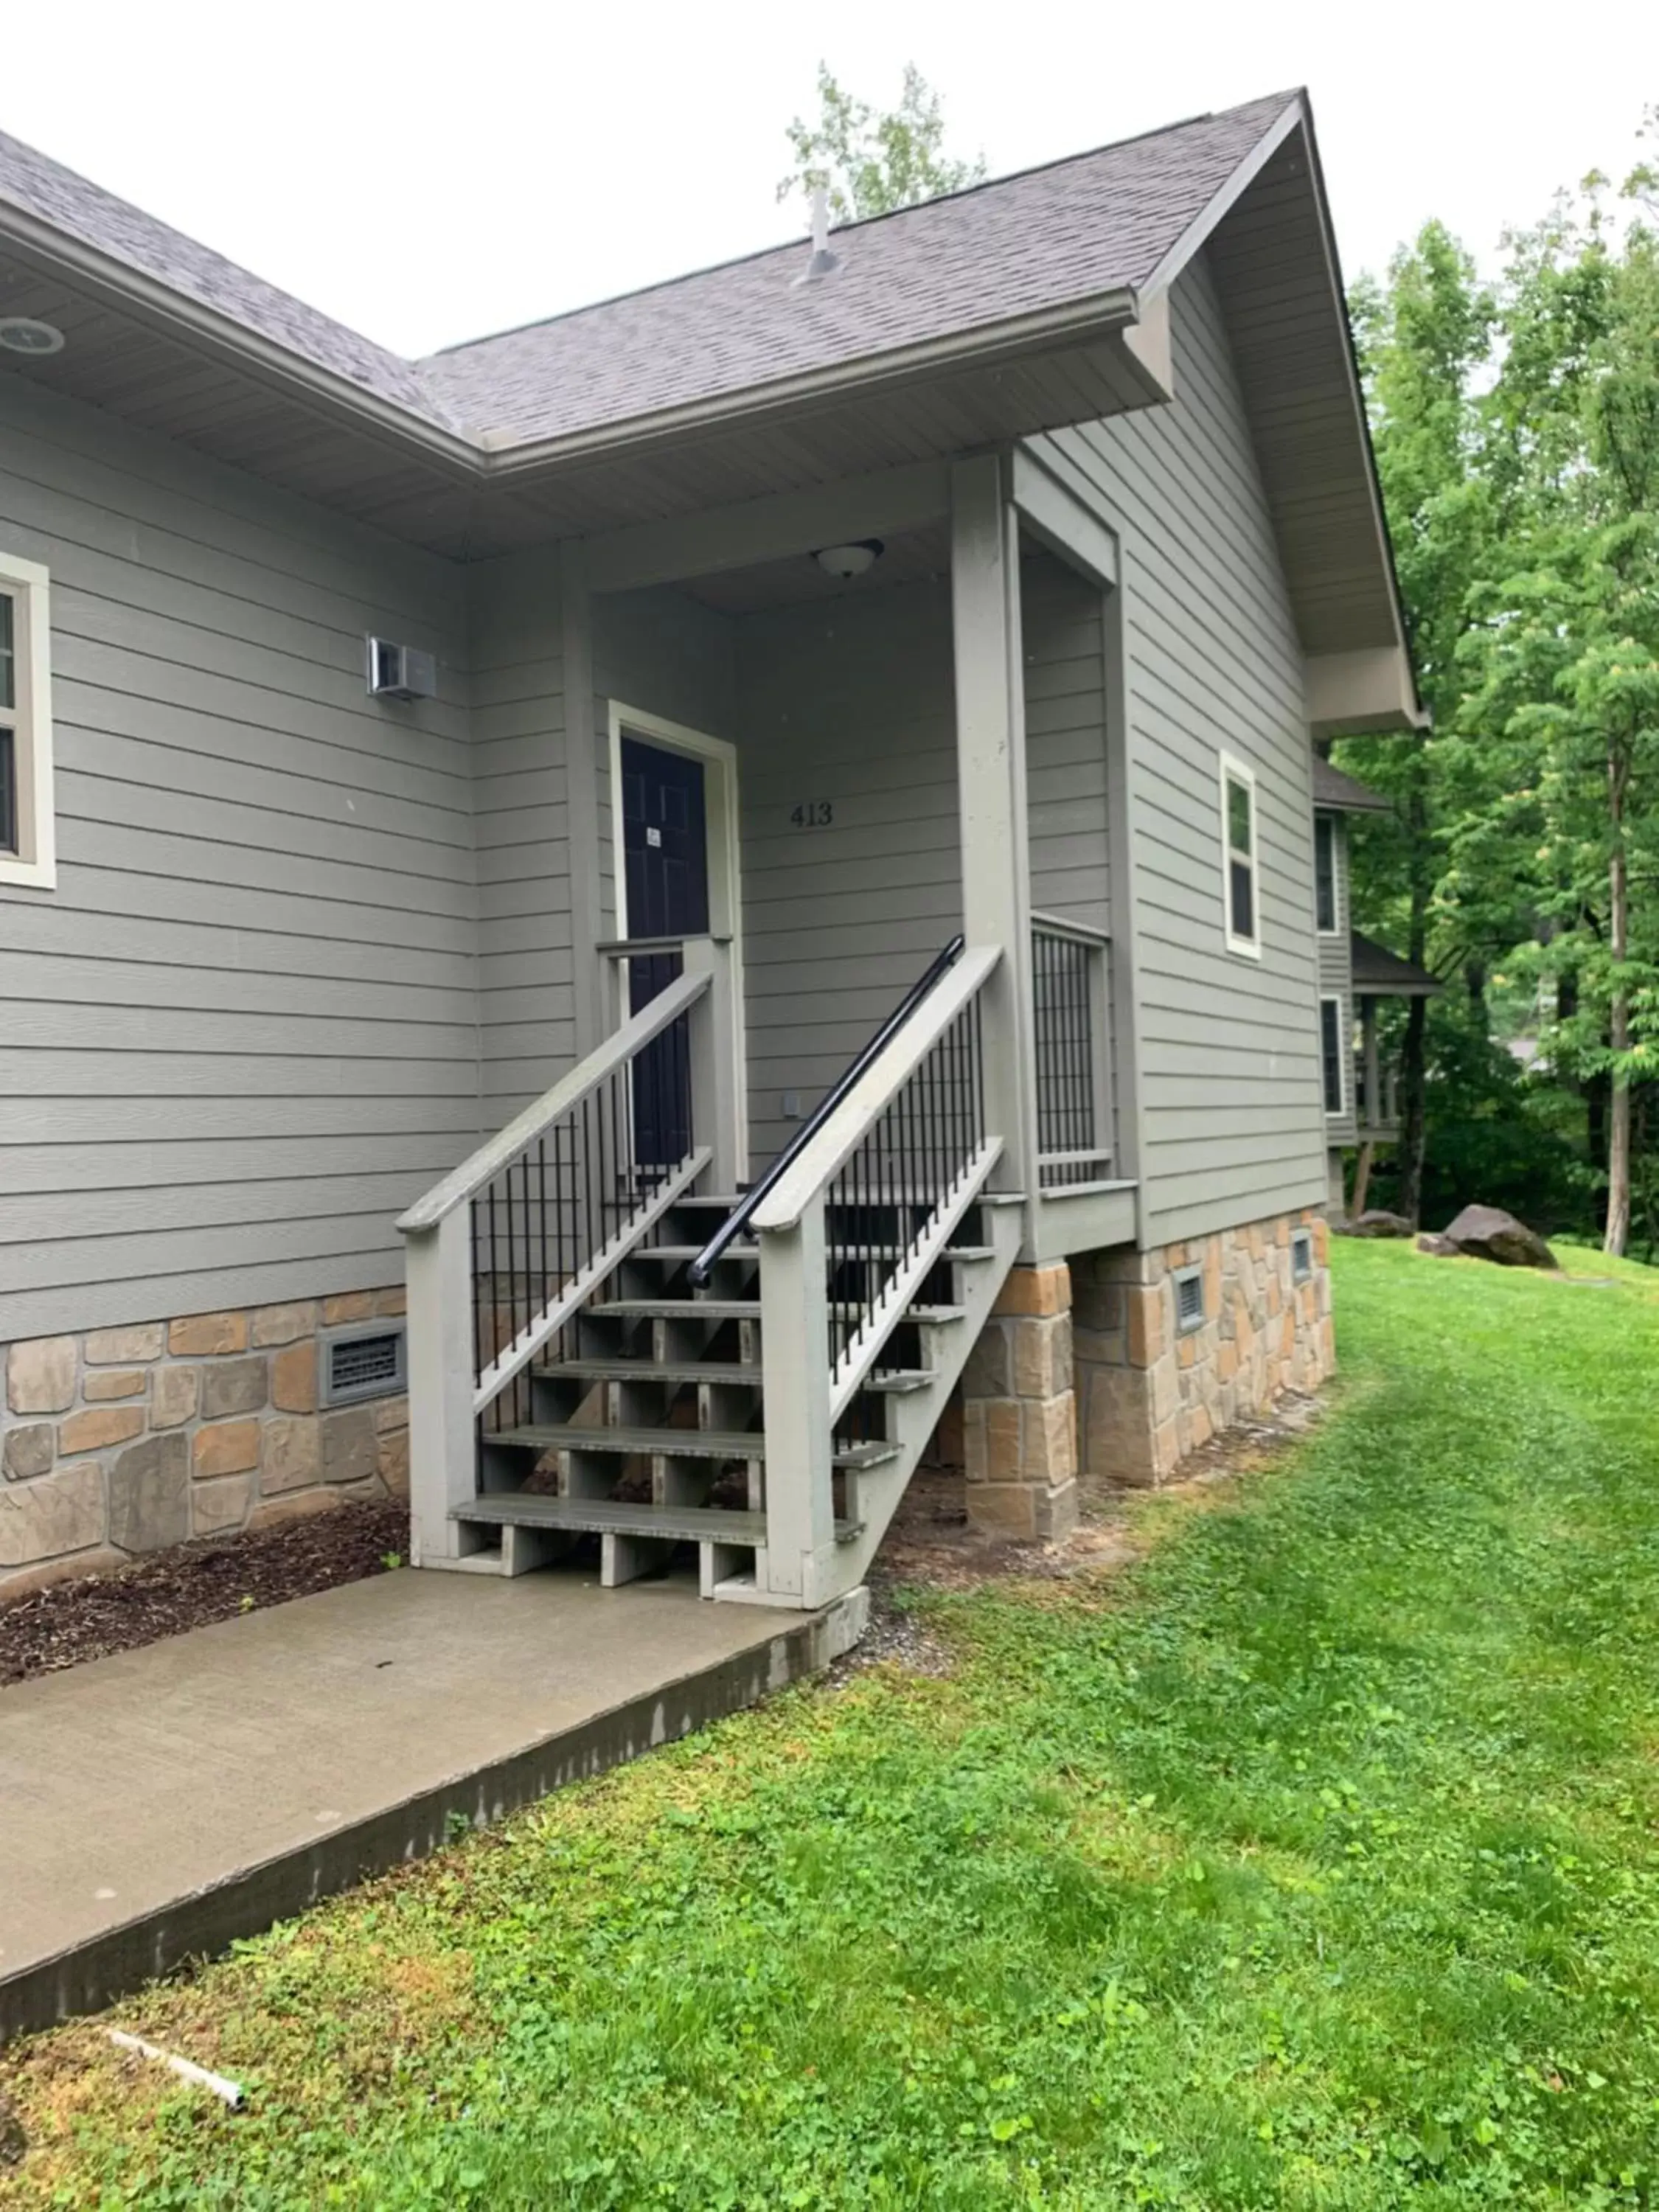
point(1311, 1862)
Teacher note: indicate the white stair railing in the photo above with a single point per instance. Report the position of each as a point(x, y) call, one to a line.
point(847, 1235)
point(504, 1252)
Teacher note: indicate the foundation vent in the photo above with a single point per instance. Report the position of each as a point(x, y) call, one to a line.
point(1189, 1299)
point(363, 1362)
point(1301, 1256)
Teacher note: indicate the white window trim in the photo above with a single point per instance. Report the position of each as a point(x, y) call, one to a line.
point(1344, 1053)
point(1335, 929)
point(35, 865)
point(1232, 770)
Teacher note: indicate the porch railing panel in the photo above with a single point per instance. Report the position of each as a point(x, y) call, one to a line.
point(1070, 1033)
point(505, 1250)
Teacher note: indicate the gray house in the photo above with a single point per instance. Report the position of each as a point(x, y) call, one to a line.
point(603, 928)
point(1361, 1088)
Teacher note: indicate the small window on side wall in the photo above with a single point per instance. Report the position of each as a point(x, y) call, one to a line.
point(1330, 1053)
point(1238, 857)
point(1325, 874)
point(28, 853)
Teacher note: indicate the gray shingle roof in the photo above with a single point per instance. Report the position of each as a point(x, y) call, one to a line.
point(85, 211)
point(1078, 228)
point(1380, 973)
point(1345, 795)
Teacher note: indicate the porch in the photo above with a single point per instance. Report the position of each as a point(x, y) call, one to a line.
point(847, 881)
point(1378, 975)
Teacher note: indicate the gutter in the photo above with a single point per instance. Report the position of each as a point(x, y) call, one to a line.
point(489, 458)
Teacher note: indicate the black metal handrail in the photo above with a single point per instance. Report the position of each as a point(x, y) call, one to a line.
point(735, 1222)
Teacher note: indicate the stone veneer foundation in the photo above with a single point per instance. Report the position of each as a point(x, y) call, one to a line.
point(1018, 1415)
point(1150, 1392)
point(1085, 1368)
point(123, 1441)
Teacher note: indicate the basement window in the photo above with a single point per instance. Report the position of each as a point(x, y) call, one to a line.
point(1188, 1299)
point(363, 1363)
point(27, 845)
point(1238, 857)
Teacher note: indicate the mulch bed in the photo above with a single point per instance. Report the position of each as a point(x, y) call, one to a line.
point(213, 1579)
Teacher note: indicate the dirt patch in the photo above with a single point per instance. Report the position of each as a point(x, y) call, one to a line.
point(213, 1579)
point(929, 1545)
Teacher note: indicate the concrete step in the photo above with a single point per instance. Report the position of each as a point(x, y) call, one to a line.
point(672, 1444)
point(683, 1524)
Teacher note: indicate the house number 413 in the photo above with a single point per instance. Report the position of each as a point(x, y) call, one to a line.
point(812, 814)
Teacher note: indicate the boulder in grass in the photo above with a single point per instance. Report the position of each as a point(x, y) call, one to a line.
point(1486, 1232)
point(1376, 1221)
point(1438, 1247)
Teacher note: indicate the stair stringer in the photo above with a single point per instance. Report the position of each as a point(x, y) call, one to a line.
point(913, 1415)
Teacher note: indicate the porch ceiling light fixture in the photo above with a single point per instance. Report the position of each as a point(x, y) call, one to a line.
point(846, 561)
point(23, 334)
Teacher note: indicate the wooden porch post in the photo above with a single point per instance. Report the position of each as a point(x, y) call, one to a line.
point(1373, 1116)
point(582, 797)
point(442, 1442)
point(715, 1071)
point(996, 866)
point(800, 1532)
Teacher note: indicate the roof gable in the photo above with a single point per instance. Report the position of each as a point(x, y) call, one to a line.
point(1098, 223)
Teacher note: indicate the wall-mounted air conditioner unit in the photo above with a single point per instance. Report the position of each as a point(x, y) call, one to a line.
point(401, 671)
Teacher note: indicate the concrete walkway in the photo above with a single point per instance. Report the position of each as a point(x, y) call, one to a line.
point(157, 1805)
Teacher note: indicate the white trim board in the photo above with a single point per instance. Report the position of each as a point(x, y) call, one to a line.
point(1230, 769)
point(723, 822)
point(34, 866)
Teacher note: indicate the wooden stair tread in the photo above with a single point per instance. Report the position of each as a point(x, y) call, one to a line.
point(727, 1309)
point(616, 1516)
point(740, 1251)
point(744, 1375)
point(674, 1443)
point(748, 1373)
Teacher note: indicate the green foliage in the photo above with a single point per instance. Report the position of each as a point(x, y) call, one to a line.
point(1517, 437)
point(870, 162)
point(1311, 1866)
point(1493, 1129)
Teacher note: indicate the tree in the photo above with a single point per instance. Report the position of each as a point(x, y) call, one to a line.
point(869, 163)
point(1565, 661)
point(1423, 343)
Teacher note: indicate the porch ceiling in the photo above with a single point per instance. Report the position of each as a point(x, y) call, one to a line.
point(913, 556)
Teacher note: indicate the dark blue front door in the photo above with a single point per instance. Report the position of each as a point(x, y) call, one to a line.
point(665, 852)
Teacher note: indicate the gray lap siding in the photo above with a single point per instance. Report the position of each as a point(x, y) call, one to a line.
point(242, 1032)
point(1232, 1122)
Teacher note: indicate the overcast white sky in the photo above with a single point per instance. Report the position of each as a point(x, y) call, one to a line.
point(428, 172)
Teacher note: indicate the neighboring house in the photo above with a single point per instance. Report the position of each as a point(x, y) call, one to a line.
point(1361, 1089)
point(639, 704)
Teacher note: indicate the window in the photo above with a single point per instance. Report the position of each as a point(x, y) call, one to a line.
point(1325, 874)
point(1301, 1255)
point(1188, 1299)
point(27, 851)
point(1238, 856)
point(1330, 1052)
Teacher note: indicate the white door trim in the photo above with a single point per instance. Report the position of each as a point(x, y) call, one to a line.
point(722, 829)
